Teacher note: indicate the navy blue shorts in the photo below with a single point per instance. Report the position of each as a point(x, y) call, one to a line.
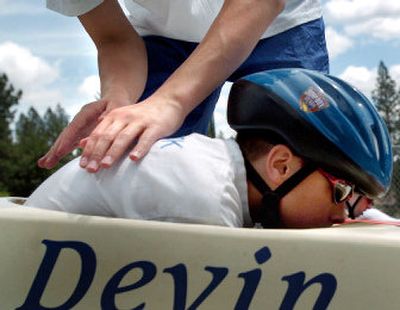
point(301, 47)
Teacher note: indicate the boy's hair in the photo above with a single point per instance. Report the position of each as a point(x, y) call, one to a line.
point(255, 144)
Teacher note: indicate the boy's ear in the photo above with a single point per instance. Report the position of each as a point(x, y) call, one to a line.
point(280, 164)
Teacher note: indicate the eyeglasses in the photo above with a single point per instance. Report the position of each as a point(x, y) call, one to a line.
point(341, 190)
point(357, 205)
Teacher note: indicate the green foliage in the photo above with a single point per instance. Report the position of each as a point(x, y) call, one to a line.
point(34, 135)
point(9, 98)
point(387, 101)
point(54, 123)
point(390, 204)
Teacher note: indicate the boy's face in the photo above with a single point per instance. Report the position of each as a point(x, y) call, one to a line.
point(310, 204)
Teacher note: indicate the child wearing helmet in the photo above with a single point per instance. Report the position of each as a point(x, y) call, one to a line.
point(306, 143)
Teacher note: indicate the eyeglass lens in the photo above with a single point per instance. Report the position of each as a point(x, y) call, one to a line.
point(342, 192)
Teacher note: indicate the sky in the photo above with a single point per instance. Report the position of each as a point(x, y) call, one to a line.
point(51, 58)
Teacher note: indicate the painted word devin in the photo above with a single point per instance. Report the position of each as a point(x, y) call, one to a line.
point(179, 272)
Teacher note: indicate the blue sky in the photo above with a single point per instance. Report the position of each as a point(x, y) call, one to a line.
point(52, 60)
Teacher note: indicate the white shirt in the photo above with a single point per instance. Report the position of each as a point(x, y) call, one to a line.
point(188, 20)
point(373, 214)
point(192, 179)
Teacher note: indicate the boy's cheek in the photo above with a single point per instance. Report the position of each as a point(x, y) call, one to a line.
point(300, 220)
point(307, 211)
point(309, 205)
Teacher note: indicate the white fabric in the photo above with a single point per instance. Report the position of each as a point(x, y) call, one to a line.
point(373, 214)
point(188, 20)
point(193, 179)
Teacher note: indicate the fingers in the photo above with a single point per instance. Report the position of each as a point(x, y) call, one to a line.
point(56, 152)
point(122, 142)
point(82, 124)
point(146, 140)
point(98, 143)
point(120, 128)
point(106, 150)
point(110, 149)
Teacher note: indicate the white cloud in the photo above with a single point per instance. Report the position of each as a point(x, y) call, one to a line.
point(360, 77)
point(20, 7)
point(24, 69)
point(336, 42)
point(31, 74)
point(41, 99)
point(365, 79)
point(358, 10)
point(380, 28)
point(395, 73)
point(90, 88)
point(376, 18)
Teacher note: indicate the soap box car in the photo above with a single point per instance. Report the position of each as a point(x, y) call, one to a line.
point(55, 260)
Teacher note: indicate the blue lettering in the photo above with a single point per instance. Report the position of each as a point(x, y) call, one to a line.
point(88, 268)
point(296, 282)
point(297, 287)
point(179, 275)
point(252, 279)
point(112, 288)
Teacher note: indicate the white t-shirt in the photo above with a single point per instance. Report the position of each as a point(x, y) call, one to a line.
point(373, 214)
point(188, 20)
point(192, 179)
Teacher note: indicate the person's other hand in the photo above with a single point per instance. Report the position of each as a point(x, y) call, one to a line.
point(143, 123)
point(80, 127)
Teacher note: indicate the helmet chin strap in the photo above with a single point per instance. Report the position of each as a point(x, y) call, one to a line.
point(270, 215)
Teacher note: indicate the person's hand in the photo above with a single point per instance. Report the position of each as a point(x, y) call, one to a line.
point(143, 123)
point(80, 127)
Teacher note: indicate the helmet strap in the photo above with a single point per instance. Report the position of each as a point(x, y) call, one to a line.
point(270, 214)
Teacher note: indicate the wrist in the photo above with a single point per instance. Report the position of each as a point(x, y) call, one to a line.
point(183, 91)
point(117, 95)
point(172, 102)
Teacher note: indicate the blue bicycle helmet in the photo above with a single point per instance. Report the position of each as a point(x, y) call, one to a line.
point(323, 119)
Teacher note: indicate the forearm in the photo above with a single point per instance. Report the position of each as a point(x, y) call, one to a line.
point(121, 51)
point(122, 69)
point(229, 41)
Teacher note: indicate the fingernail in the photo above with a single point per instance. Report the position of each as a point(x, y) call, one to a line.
point(107, 161)
point(135, 155)
point(48, 161)
point(93, 166)
point(83, 162)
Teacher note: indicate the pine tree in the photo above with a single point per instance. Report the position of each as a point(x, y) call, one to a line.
point(34, 135)
point(9, 97)
point(387, 101)
point(54, 122)
point(30, 144)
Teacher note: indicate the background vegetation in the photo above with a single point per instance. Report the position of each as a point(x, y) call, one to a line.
point(20, 147)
